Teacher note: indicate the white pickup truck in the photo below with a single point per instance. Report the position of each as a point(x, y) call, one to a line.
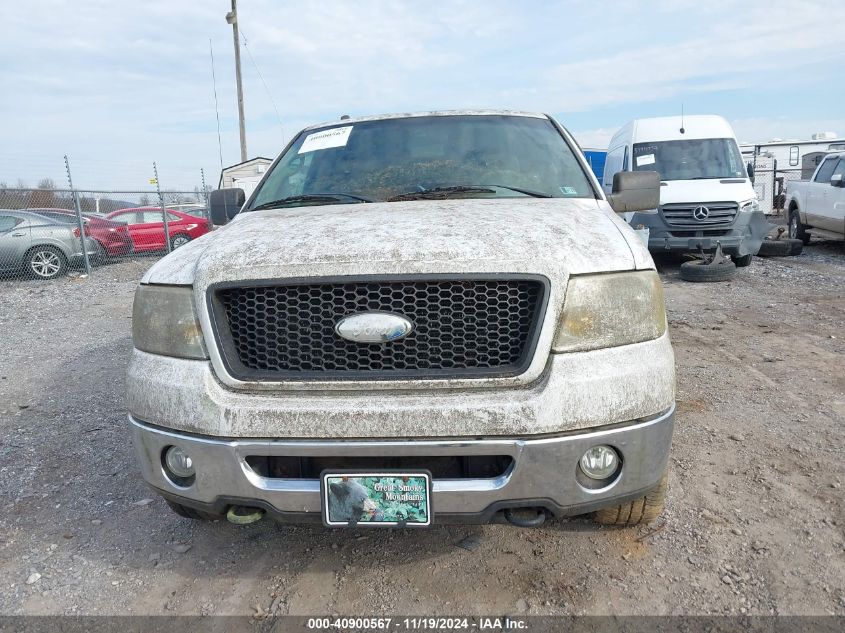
point(817, 206)
point(412, 315)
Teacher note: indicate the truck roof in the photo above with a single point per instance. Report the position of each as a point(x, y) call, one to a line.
point(668, 128)
point(408, 115)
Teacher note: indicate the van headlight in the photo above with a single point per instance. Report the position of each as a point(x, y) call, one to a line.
point(749, 206)
point(608, 310)
point(164, 321)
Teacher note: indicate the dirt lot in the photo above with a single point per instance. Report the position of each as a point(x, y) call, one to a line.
point(754, 522)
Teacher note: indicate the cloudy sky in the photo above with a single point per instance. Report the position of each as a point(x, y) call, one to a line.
point(119, 84)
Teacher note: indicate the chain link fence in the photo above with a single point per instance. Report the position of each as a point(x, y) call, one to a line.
point(772, 182)
point(47, 233)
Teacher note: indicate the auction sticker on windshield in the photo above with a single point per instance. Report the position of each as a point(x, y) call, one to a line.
point(325, 139)
point(385, 499)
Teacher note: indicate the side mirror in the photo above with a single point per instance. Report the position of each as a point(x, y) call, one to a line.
point(635, 191)
point(749, 168)
point(836, 181)
point(224, 204)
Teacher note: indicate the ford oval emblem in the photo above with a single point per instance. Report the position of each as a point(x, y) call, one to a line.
point(373, 327)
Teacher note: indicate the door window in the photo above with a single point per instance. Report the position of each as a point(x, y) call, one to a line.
point(149, 217)
point(7, 223)
point(130, 217)
point(840, 169)
point(825, 171)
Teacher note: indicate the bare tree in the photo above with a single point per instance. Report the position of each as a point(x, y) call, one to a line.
point(172, 197)
point(45, 195)
point(144, 201)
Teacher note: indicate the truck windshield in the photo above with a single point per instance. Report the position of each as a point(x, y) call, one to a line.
point(456, 156)
point(693, 159)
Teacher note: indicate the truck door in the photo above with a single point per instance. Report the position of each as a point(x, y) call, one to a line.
point(818, 191)
point(831, 209)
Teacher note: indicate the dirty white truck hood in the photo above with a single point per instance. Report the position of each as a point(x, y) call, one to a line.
point(552, 237)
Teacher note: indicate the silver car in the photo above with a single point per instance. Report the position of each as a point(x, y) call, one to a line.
point(38, 246)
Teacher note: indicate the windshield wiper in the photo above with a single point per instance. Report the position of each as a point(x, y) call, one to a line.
point(527, 192)
point(309, 197)
point(437, 193)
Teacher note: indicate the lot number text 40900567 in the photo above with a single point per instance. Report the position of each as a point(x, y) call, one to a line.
point(417, 624)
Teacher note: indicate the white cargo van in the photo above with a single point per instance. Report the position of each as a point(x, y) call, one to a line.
point(706, 195)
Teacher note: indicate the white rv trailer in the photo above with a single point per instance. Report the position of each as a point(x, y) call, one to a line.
point(777, 162)
point(796, 155)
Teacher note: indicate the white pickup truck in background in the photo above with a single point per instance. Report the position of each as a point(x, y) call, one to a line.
point(817, 206)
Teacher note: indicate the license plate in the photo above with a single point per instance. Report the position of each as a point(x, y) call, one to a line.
point(385, 499)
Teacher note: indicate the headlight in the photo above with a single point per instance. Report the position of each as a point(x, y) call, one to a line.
point(164, 321)
point(609, 310)
point(749, 206)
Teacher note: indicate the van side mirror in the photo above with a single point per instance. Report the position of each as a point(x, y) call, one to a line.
point(224, 204)
point(749, 169)
point(837, 181)
point(635, 191)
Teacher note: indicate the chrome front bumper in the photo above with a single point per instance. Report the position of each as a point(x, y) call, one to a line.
point(543, 473)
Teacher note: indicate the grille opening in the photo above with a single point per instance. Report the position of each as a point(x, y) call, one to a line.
point(461, 327)
point(718, 233)
point(441, 467)
point(682, 214)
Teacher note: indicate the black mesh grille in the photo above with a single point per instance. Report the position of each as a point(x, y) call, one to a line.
point(477, 327)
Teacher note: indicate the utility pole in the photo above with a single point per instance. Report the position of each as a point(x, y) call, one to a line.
point(232, 18)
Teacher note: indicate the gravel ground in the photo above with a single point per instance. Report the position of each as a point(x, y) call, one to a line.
point(754, 522)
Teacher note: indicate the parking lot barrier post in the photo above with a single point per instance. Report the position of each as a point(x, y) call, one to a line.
point(75, 195)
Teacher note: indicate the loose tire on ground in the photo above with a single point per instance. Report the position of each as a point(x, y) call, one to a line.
point(742, 261)
point(700, 270)
point(796, 247)
point(797, 230)
point(637, 512)
point(774, 248)
point(45, 262)
point(191, 513)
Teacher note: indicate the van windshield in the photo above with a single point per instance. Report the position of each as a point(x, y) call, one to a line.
point(398, 158)
point(692, 159)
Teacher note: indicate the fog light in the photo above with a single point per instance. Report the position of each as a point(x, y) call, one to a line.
point(599, 462)
point(179, 462)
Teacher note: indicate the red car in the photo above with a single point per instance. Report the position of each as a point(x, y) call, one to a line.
point(112, 237)
point(146, 227)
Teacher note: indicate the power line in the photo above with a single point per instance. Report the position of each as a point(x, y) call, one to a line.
point(266, 88)
point(216, 107)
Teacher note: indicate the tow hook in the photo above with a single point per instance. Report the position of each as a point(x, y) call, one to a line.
point(526, 517)
point(244, 515)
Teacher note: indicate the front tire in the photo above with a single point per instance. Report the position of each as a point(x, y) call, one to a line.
point(797, 230)
point(637, 512)
point(46, 262)
point(191, 513)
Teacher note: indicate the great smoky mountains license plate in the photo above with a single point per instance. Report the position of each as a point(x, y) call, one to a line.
point(386, 499)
